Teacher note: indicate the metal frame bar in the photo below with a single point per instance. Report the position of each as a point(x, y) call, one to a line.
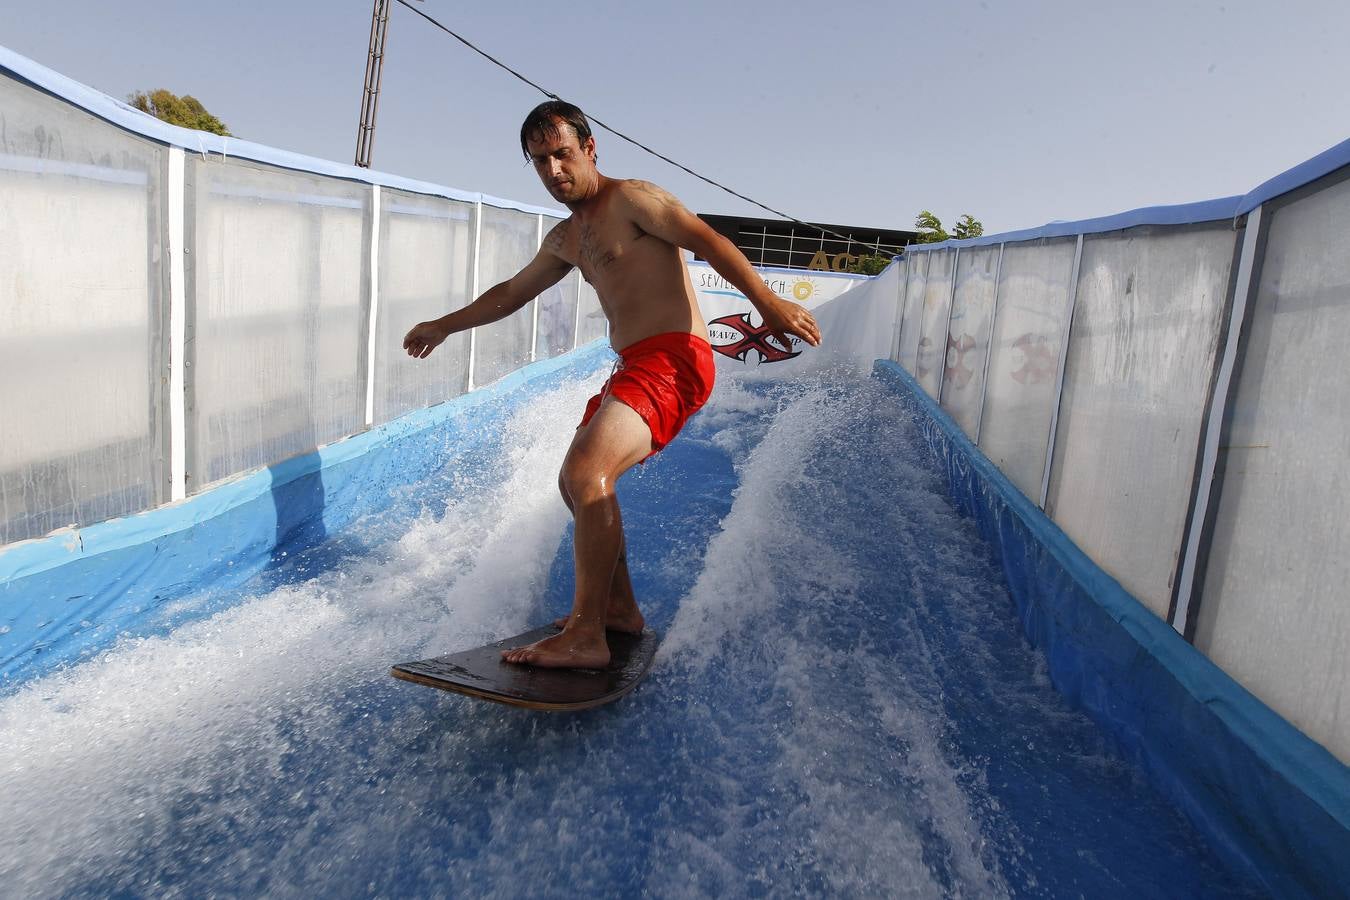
point(189, 355)
point(1059, 371)
point(1198, 528)
point(900, 309)
point(899, 342)
point(900, 337)
point(473, 287)
point(576, 315)
point(534, 304)
point(947, 332)
point(373, 319)
point(928, 270)
point(919, 257)
point(989, 347)
point(177, 213)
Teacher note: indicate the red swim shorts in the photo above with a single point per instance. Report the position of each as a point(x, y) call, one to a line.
point(665, 378)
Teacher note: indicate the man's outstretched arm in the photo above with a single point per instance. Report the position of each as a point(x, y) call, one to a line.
point(497, 302)
point(659, 213)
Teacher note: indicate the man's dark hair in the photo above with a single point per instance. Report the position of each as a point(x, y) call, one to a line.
point(543, 122)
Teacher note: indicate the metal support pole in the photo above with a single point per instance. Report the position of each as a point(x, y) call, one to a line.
point(177, 326)
point(900, 309)
point(534, 318)
point(1198, 527)
point(904, 335)
point(576, 315)
point(989, 349)
point(374, 302)
point(1059, 371)
point(946, 332)
point(473, 286)
point(915, 259)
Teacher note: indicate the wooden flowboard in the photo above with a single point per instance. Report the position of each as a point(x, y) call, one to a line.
point(482, 673)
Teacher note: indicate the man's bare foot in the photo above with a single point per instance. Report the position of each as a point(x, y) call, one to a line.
point(629, 621)
point(572, 649)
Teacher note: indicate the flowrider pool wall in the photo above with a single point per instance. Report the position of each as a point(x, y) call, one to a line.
point(1145, 413)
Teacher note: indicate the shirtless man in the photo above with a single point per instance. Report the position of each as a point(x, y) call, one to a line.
point(625, 236)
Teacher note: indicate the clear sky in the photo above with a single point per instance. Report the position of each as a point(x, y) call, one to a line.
point(853, 113)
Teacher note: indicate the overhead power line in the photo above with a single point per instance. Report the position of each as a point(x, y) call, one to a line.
point(619, 134)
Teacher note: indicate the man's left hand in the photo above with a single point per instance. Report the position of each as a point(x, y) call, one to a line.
point(787, 318)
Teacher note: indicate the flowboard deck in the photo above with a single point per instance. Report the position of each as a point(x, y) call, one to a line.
point(482, 673)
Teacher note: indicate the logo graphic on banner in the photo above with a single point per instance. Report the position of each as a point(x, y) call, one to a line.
point(803, 289)
point(1034, 362)
point(958, 373)
point(921, 369)
point(735, 337)
point(730, 315)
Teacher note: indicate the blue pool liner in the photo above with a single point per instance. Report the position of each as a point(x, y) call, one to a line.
point(1274, 802)
point(66, 596)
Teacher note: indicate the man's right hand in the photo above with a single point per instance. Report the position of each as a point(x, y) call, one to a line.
point(423, 338)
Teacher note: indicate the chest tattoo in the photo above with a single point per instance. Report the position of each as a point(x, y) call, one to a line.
point(593, 253)
point(556, 239)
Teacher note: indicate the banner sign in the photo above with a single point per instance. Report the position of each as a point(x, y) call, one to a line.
point(735, 328)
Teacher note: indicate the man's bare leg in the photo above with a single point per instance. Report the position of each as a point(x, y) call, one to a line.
point(613, 441)
point(621, 612)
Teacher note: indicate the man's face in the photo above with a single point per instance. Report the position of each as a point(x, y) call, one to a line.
point(565, 165)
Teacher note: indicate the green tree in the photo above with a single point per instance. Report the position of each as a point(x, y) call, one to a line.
point(967, 227)
point(930, 228)
point(186, 111)
point(870, 264)
point(932, 232)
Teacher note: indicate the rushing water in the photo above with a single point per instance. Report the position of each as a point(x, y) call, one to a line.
point(843, 703)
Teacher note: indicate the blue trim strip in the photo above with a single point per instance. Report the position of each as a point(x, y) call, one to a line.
point(204, 143)
point(70, 593)
point(1305, 172)
point(1274, 802)
point(1180, 214)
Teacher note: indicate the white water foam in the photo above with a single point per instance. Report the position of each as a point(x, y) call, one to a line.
point(98, 758)
point(797, 736)
point(782, 568)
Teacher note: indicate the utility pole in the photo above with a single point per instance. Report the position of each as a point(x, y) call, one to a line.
point(370, 100)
